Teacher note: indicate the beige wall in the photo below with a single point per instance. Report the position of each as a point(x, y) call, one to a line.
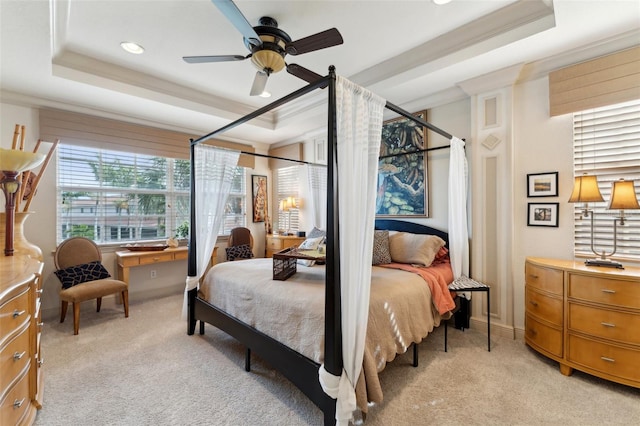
point(539, 144)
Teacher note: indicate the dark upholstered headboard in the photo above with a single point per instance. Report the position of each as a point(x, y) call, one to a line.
point(414, 228)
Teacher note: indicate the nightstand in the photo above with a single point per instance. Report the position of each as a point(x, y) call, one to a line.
point(275, 243)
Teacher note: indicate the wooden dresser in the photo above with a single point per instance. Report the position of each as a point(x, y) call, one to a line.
point(587, 318)
point(275, 243)
point(20, 331)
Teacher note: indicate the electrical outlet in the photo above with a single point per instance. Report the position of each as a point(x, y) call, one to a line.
point(153, 273)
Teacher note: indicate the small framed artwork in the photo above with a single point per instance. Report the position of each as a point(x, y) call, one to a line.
point(543, 214)
point(542, 184)
point(259, 186)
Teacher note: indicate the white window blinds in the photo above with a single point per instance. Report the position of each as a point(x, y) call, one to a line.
point(607, 144)
point(287, 186)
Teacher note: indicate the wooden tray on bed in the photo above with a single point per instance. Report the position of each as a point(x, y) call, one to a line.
point(285, 261)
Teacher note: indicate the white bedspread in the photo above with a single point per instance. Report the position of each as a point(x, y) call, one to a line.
point(401, 311)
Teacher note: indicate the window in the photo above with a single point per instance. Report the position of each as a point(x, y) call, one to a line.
point(287, 182)
point(111, 196)
point(607, 144)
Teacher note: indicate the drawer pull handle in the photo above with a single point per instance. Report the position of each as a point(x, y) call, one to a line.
point(605, 290)
point(18, 404)
point(17, 356)
point(17, 313)
point(40, 362)
point(534, 303)
point(532, 332)
point(534, 276)
point(39, 291)
point(604, 358)
point(608, 324)
point(155, 259)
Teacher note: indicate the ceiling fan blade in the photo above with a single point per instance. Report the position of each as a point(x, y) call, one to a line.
point(259, 83)
point(303, 73)
point(233, 14)
point(322, 40)
point(215, 58)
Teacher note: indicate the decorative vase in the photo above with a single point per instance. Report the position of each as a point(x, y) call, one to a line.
point(20, 244)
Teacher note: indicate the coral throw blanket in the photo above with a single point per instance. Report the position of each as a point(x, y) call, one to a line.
point(437, 276)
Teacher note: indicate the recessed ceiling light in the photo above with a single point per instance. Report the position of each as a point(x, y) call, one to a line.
point(132, 47)
point(440, 2)
point(265, 94)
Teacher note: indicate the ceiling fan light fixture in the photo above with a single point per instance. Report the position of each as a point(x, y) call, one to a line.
point(132, 47)
point(268, 59)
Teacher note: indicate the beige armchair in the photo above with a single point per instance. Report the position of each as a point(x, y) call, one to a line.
point(78, 261)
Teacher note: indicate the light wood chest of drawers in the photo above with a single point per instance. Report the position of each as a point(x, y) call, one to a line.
point(276, 243)
point(586, 318)
point(20, 331)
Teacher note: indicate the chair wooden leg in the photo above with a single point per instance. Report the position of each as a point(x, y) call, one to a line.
point(125, 302)
point(63, 310)
point(76, 317)
point(99, 304)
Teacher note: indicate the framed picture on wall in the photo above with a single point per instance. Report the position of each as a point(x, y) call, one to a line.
point(543, 214)
point(403, 187)
point(542, 184)
point(259, 192)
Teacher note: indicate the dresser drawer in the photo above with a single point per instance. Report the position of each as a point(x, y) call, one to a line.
point(545, 279)
point(179, 255)
point(160, 257)
point(543, 336)
point(603, 290)
point(610, 359)
point(544, 307)
point(14, 357)
point(14, 406)
point(274, 244)
point(14, 313)
point(619, 326)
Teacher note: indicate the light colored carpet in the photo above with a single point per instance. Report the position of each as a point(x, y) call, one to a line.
point(146, 370)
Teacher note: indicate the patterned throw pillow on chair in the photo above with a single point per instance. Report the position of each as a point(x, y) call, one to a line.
point(242, 251)
point(79, 274)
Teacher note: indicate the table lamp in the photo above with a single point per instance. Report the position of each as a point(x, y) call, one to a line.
point(12, 163)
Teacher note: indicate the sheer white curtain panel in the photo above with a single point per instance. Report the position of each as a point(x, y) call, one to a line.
point(214, 170)
point(317, 180)
point(458, 230)
point(359, 131)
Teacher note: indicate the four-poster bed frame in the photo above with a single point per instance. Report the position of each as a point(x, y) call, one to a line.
point(300, 370)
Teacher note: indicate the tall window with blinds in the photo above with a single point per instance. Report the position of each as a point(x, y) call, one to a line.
point(607, 145)
point(287, 189)
point(112, 196)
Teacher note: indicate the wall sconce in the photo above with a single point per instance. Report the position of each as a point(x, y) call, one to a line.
point(623, 197)
point(13, 162)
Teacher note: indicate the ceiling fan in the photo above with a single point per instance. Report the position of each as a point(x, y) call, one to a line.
point(268, 46)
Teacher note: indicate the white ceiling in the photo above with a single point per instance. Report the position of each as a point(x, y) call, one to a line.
point(66, 54)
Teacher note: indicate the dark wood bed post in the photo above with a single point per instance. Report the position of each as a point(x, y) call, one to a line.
point(333, 361)
point(193, 260)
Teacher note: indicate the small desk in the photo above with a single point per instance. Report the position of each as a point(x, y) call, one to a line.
point(130, 259)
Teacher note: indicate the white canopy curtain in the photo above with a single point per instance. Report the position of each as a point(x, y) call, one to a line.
point(214, 170)
point(317, 180)
point(359, 131)
point(458, 231)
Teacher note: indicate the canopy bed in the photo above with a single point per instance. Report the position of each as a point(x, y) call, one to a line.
point(327, 370)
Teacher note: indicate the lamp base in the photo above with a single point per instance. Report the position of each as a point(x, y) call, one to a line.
point(604, 262)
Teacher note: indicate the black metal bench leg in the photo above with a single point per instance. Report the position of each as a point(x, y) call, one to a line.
point(247, 360)
point(445, 335)
point(488, 320)
point(415, 354)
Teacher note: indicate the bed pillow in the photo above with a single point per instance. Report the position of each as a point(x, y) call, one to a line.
point(243, 251)
point(381, 253)
point(315, 233)
point(311, 243)
point(79, 274)
point(416, 249)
